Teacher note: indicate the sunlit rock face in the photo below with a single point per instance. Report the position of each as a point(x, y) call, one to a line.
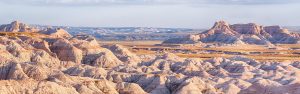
point(57, 32)
point(250, 28)
point(16, 26)
point(280, 35)
point(250, 33)
point(65, 51)
point(78, 65)
point(125, 55)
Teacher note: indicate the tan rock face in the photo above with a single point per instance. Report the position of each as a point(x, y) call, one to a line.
point(129, 88)
point(65, 51)
point(16, 72)
point(125, 55)
point(106, 60)
point(222, 32)
point(250, 28)
point(221, 27)
point(272, 29)
point(195, 86)
point(16, 26)
point(57, 32)
point(87, 44)
point(80, 66)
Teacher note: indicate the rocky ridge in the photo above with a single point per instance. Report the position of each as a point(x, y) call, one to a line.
point(250, 33)
point(16, 26)
point(79, 65)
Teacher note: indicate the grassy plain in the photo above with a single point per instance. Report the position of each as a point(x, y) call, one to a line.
point(258, 52)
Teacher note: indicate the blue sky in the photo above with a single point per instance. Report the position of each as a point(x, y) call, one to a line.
point(150, 13)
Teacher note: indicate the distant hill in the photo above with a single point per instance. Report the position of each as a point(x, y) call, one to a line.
point(293, 28)
point(17, 26)
point(130, 33)
point(250, 33)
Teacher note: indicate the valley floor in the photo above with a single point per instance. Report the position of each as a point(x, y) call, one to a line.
point(279, 52)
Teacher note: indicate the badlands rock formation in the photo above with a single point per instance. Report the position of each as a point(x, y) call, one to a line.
point(57, 32)
point(16, 27)
point(250, 33)
point(79, 65)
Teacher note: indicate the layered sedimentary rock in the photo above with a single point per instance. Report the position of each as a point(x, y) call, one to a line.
point(57, 32)
point(251, 33)
point(250, 28)
point(65, 51)
point(17, 27)
point(78, 65)
point(125, 55)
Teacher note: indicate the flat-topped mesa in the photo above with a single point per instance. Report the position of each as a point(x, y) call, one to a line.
point(250, 28)
point(16, 26)
point(250, 33)
point(275, 29)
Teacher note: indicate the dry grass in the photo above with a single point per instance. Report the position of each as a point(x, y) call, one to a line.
point(289, 45)
point(259, 57)
point(266, 54)
point(131, 43)
point(28, 34)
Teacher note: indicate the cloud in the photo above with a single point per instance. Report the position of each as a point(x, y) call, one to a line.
point(146, 2)
point(252, 2)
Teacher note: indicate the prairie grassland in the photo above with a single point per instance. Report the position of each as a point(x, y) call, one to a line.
point(265, 54)
point(289, 45)
point(131, 43)
point(28, 34)
point(259, 57)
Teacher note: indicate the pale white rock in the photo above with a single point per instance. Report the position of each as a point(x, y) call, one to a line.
point(86, 71)
point(194, 85)
point(16, 72)
point(125, 55)
point(264, 87)
point(230, 89)
point(250, 33)
point(56, 32)
point(105, 60)
point(17, 26)
point(87, 44)
point(65, 51)
point(129, 88)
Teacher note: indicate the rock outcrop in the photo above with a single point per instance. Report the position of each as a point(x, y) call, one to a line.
point(79, 65)
point(125, 55)
point(250, 33)
point(56, 32)
point(16, 26)
point(65, 51)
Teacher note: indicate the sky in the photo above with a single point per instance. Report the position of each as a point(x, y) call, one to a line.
point(150, 13)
